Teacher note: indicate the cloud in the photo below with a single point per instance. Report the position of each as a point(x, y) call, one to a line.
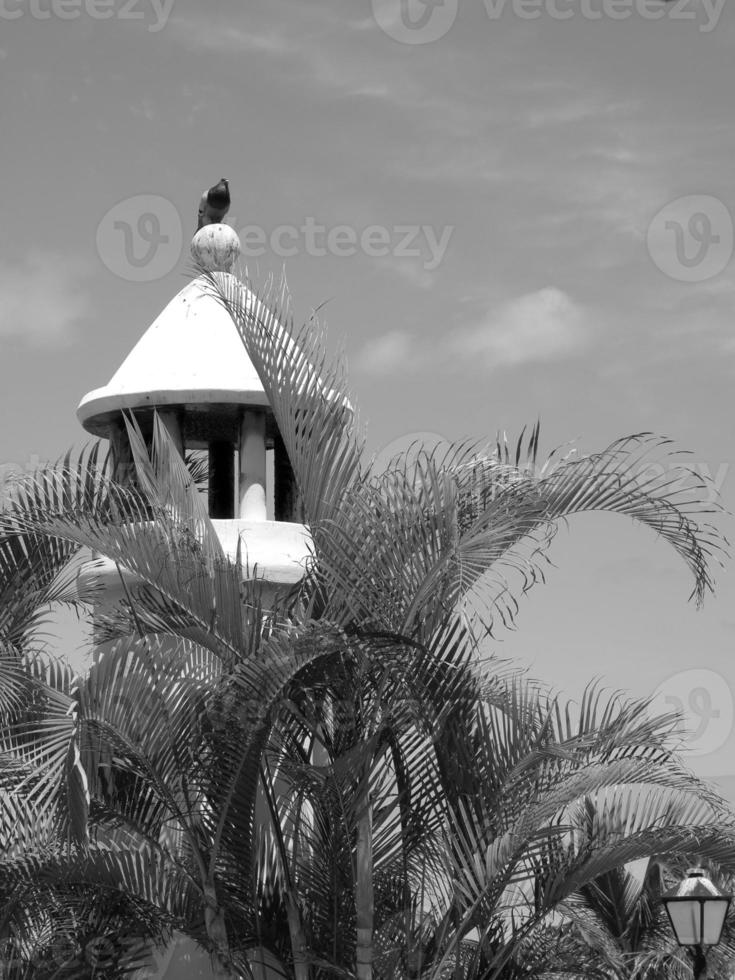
point(41, 298)
point(227, 38)
point(564, 113)
point(145, 108)
point(539, 326)
point(409, 270)
point(310, 46)
point(387, 354)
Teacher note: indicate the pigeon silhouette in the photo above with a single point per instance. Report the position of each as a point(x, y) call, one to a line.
point(215, 204)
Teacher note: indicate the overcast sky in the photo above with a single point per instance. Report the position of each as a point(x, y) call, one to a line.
point(512, 210)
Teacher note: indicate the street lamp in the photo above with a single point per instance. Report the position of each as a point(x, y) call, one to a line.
point(697, 911)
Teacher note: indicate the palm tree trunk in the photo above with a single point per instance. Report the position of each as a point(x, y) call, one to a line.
point(214, 920)
point(298, 940)
point(297, 935)
point(364, 898)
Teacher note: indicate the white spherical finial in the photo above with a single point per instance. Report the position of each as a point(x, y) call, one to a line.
point(216, 248)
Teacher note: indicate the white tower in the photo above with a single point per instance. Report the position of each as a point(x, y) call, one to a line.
point(192, 368)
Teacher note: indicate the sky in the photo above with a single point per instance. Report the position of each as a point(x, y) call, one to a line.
point(511, 210)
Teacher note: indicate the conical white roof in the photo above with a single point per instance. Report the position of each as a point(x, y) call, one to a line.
point(191, 354)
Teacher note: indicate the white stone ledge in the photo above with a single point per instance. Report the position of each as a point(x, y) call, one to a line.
point(275, 552)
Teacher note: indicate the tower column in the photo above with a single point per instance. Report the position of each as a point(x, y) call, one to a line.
point(123, 470)
point(252, 466)
point(221, 480)
point(286, 496)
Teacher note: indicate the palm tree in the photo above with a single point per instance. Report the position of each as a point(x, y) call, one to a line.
point(618, 921)
point(342, 781)
point(56, 919)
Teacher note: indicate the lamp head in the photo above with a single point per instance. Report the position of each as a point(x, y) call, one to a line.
point(696, 909)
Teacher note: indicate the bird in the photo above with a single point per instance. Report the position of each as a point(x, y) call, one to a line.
point(215, 204)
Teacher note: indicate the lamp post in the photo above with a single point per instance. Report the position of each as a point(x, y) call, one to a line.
point(697, 909)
